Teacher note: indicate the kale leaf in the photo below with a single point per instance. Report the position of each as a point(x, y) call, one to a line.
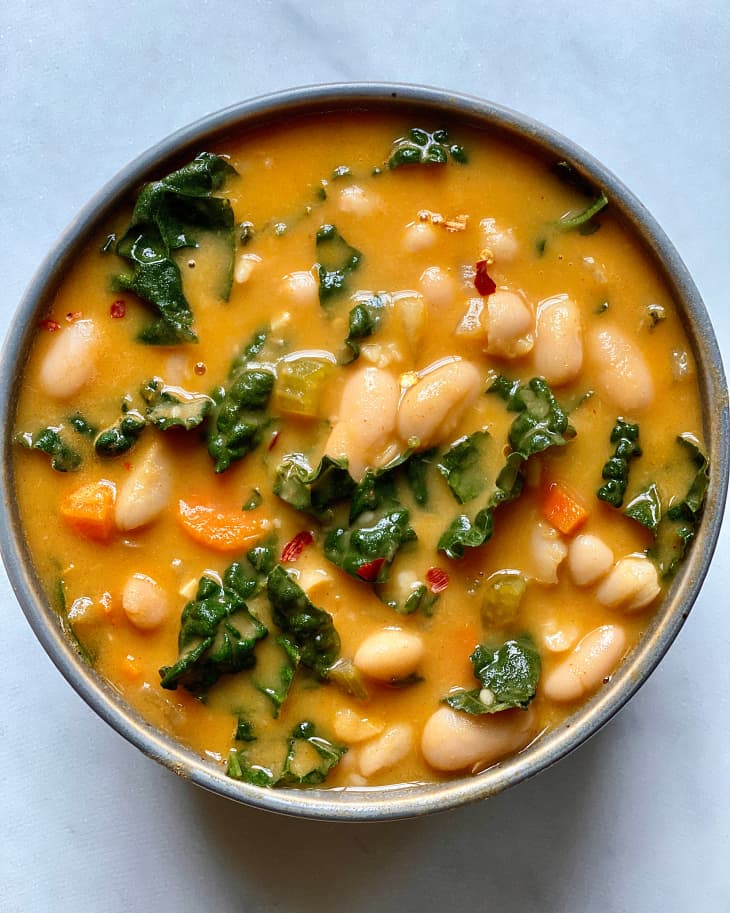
point(583, 220)
point(335, 261)
point(169, 215)
point(542, 422)
point(172, 407)
point(313, 491)
point(239, 414)
point(122, 435)
point(52, 441)
point(508, 676)
point(218, 634)
point(278, 692)
point(364, 320)
point(307, 627)
point(416, 470)
point(646, 508)
point(367, 549)
point(309, 759)
point(463, 468)
point(419, 147)
point(616, 470)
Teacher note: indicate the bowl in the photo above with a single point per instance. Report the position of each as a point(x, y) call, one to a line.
point(407, 800)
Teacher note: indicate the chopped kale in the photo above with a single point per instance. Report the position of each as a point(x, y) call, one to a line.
point(416, 470)
point(278, 692)
point(313, 491)
point(335, 261)
point(218, 634)
point(508, 677)
point(255, 500)
point(542, 422)
point(244, 730)
point(122, 435)
point(463, 466)
point(584, 221)
point(172, 407)
point(309, 758)
point(646, 508)
point(616, 470)
point(240, 414)
point(364, 320)
point(170, 214)
point(419, 147)
point(52, 441)
point(307, 627)
point(81, 426)
point(367, 549)
point(348, 678)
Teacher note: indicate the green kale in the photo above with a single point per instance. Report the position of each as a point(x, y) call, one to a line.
point(583, 220)
point(170, 214)
point(313, 491)
point(463, 466)
point(419, 147)
point(255, 500)
point(172, 407)
point(297, 768)
point(679, 525)
point(416, 470)
point(417, 598)
point(646, 508)
point(348, 678)
point(365, 318)
point(244, 730)
point(122, 435)
point(367, 549)
point(52, 441)
point(218, 634)
point(616, 470)
point(278, 692)
point(335, 261)
point(542, 422)
point(307, 627)
point(81, 426)
point(240, 412)
point(507, 675)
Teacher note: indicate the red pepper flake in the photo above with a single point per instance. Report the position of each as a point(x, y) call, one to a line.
point(371, 570)
point(274, 439)
point(50, 324)
point(73, 315)
point(128, 466)
point(118, 309)
point(292, 550)
point(437, 579)
point(482, 281)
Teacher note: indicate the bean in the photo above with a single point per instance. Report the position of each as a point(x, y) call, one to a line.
point(145, 603)
point(592, 659)
point(352, 728)
point(437, 286)
point(623, 376)
point(70, 361)
point(355, 200)
point(631, 585)
point(501, 242)
point(455, 741)
point(433, 406)
point(144, 494)
point(389, 655)
point(245, 266)
point(509, 324)
point(418, 236)
point(386, 750)
point(547, 551)
point(589, 559)
point(301, 288)
point(558, 352)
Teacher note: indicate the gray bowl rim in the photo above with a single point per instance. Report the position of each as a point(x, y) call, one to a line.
point(406, 800)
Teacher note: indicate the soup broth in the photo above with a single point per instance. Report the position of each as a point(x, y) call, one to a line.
point(422, 376)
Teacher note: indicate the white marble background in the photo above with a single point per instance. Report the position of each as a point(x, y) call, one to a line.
point(638, 820)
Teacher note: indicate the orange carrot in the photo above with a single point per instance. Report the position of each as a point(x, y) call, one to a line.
point(223, 530)
point(89, 510)
point(562, 509)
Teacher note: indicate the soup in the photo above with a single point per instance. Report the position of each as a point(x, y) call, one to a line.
point(360, 452)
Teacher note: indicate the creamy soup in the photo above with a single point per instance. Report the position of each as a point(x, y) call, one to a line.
point(360, 452)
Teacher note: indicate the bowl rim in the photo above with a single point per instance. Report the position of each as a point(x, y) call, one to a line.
point(405, 800)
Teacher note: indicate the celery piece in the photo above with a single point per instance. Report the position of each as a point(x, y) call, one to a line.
point(299, 386)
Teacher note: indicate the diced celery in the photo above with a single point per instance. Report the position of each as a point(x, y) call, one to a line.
point(502, 597)
point(300, 384)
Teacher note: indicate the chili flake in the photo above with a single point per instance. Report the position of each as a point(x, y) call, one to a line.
point(483, 283)
point(118, 309)
point(293, 549)
point(50, 324)
point(437, 579)
point(370, 570)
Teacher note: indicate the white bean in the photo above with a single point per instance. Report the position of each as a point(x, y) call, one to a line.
point(547, 551)
point(386, 750)
point(389, 655)
point(558, 352)
point(623, 376)
point(471, 324)
point(419, 236)
point(432, 407)
point(437, 286)
point(145, 603)
point(245, 266)
point(301, 288)
point(367, 418)
point(589, 559)
point(501, 242)
point(411, 310)
point(70, 361)
point(558, 638)
point(351, 727)
point(454, 741)
point(353, 199)
point(591, 661)
point(509, 324)
point(144, 494)
point(631, 585)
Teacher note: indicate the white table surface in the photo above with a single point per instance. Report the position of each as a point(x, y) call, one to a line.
point(636, 820)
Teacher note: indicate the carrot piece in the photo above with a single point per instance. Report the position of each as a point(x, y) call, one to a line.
point(89, 510)
point(562, 509)
point(221, 530)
